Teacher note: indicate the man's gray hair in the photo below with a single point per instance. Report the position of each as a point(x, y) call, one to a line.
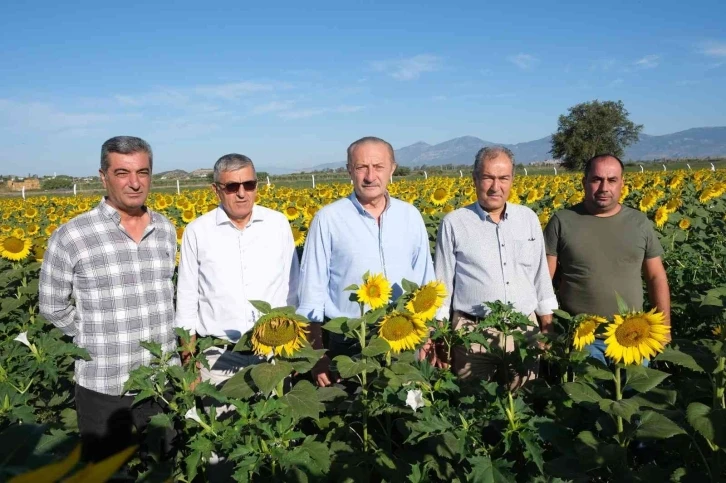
point(491, 152)
point(231, 162)
point(369, 139)
point(124, 145)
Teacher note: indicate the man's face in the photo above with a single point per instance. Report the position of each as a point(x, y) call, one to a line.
point(371, 168)
point(494, 182)
point(237, 203)
point(603, 184)
point(127, 181)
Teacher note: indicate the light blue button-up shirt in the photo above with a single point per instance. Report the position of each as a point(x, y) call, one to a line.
point(344, 241)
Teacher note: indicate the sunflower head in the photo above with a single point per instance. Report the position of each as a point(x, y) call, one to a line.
point(375, 291)
point(277, 332)
point(402, 331)
point(635, 336)
point(425, 301)
point(14, 248)
point(585, 331)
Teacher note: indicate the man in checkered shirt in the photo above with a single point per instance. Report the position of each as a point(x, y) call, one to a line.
point(106, 281)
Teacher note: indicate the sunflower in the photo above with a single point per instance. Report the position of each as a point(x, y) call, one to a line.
point(661, 216)
point(375, 291)
point(50, 229)
point(188, 215)
point(14, 248)
point(179, 234)
point(585, 332)
point(38, 252)
point(440, 196)
point(402, 331)
point(717, 331)
point(426, 300)
point(636, 336)
point(291, 212)
point(30, 212)
point(32, 229)
point(18, 232)
point(277, 332)
point(684, 224)
point(298, 236)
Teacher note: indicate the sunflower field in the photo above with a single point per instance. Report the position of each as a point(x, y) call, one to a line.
point(392, 417)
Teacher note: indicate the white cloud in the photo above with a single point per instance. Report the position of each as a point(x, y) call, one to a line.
point(648, 62)
point(714, 49)
point(40, 117)
point(410, 68)
point(274, 106)
point(523, 61)
point(199, 97)
point(317, 111)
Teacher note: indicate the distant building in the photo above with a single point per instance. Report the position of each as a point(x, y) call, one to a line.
point(28, 184)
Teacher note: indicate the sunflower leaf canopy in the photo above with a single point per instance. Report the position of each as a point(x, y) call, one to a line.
point(335, 325)
point(408, 285)
point(266, 376)
point(376, 346)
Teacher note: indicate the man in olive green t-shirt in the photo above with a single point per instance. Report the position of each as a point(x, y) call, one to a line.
point(600, 247)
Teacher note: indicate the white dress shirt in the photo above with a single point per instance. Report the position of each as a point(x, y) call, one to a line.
point(222, 268)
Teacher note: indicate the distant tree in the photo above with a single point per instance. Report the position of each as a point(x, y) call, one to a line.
point(402, 171)
point(262, 175)
point(210, 177)
point(57, 183)
point(591, 128)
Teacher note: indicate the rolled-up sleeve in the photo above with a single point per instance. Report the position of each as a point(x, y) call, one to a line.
point(314, 272)
point(56, 287)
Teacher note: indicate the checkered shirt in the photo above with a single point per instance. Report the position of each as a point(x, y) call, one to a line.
point(108, 293)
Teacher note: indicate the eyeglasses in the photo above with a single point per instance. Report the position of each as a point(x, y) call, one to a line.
point(233, 187)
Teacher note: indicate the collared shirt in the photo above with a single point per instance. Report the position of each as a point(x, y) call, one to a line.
point(482, 261)
point(344, 242)
point(222, 268)
point(123, 293)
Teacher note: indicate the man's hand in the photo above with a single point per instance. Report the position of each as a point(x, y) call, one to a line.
point(321, 372)
point(433, 352)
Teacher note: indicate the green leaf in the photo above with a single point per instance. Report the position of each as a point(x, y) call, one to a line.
point(409, 286)
point(484, 471)
point(303, 401)
point(581, 392)
point(330, 393)
point(347, 367)
point(625, 408)
point(240, 385)
point(376, 346)
point(657, 398)
point(261, 305)
point(643, 379)
point(679, 358)
point(161, 420)
point(351, 288)
point(562, 314)
point(335, 325)
point(656, 426)
point(153, 347)
point(533, 448)
point(598, 371)
point(266, 376)
point(622, 305)
point(711, 424)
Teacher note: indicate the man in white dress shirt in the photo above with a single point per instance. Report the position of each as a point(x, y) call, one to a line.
point(235, 253)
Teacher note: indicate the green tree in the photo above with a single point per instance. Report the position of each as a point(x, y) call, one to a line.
point(57, 183)
point(593, 128)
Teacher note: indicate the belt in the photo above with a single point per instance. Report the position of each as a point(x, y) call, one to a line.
point(230, 347)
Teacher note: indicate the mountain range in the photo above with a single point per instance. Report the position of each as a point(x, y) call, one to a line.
point(698, 142)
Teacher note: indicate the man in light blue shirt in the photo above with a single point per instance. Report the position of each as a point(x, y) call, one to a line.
point(366, 232)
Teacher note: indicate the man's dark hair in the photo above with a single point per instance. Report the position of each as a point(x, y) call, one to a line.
point(366, 140)
point(588, 164)
point(125, 145)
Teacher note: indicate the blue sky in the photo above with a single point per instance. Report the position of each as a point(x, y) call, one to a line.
point(291, 84)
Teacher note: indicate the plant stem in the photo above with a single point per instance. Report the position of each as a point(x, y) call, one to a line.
point(703, 458)
point(280, 389)
point(618, 397)
point(718, 394)
point(364, 380)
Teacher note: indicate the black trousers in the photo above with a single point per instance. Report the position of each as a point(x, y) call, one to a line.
point(109, 424)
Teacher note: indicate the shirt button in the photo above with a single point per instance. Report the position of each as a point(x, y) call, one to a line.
point(505, 263)
point(502, 244)
point(507, 283)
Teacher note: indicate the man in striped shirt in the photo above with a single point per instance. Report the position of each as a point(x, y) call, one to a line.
point(491, 251)
point(106, 281)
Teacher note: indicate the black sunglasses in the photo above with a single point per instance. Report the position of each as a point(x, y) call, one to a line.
point(233, 187)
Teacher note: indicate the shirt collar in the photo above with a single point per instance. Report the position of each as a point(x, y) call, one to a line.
point(222, 217)
point(110, 212)
point(484, 215)
point(352, 197)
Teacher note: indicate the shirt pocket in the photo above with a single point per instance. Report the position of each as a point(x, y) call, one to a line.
point(524, 252)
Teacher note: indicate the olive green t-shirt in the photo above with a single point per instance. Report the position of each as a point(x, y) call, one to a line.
point(599, 256)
